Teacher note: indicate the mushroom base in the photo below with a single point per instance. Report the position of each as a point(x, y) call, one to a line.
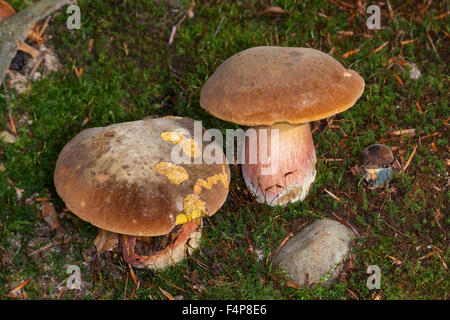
point(176, 246)
point(294, 165)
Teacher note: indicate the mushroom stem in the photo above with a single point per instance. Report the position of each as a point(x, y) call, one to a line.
point(127, 244)
point(285, 172)
point(186, 239)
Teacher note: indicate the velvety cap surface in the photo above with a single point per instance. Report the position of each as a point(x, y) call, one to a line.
point(121, 178)
point(265, 85)
point(377, 155)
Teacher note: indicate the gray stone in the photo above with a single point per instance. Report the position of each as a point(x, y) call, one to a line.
point(316, 254)
point(7, 137)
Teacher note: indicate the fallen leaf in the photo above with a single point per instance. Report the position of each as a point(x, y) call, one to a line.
point(377, 296)
point(398, 79)
point(85, 256)
point(352, 294)
point(78, 72)
point(408, 162)
point(133, 276)
point(419, 109)
point(2, 167)
point(401, 62)
point(349, 53)
point(381, 47)
point(407, 42)
point(437, 218)
point(355, 170)
point(391, 11)
point(21, 296)
point(19, 292)
point(272, 11)
point(395, 260)
point(105, 241)
point(12, 124)
point(20, 286)
point(91, 45)
point(441, 16)
point(85, 121)
point(125, 48)
point(292, 285)
point(332, 195)
point(23, 46)
point(19, 193)
point(429, 254)
point(49, 245)
point(408, 132)
point(168, 295)
point(50, 215)
point(433, 146)
point(345, 33)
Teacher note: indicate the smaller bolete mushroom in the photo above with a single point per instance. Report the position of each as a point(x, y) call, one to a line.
point(121, 178)
point(377, 165)
point(283, 89)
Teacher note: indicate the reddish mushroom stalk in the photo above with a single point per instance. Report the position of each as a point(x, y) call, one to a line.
point(290, 169)
point(184, 241)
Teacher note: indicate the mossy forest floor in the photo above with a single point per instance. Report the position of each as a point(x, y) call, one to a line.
point(130, 71)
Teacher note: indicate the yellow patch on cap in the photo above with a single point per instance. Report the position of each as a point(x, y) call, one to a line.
point(172, 137)
point(193, 207)
point(189, 146)
point(211, 181)
point(176, 174)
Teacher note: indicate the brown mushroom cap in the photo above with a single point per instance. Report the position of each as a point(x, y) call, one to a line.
point(265, 85)
point(6, 10)
point(377, 155)
point(121, 177)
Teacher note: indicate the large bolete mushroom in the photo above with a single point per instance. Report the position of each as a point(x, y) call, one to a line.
point(280, 88)
point(121, 178)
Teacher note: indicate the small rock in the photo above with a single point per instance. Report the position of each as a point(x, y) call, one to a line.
point(316, 254)
point(7, 137)
point(259, 255)
point(36, 76)
point(414, 73)
point(18, 82)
